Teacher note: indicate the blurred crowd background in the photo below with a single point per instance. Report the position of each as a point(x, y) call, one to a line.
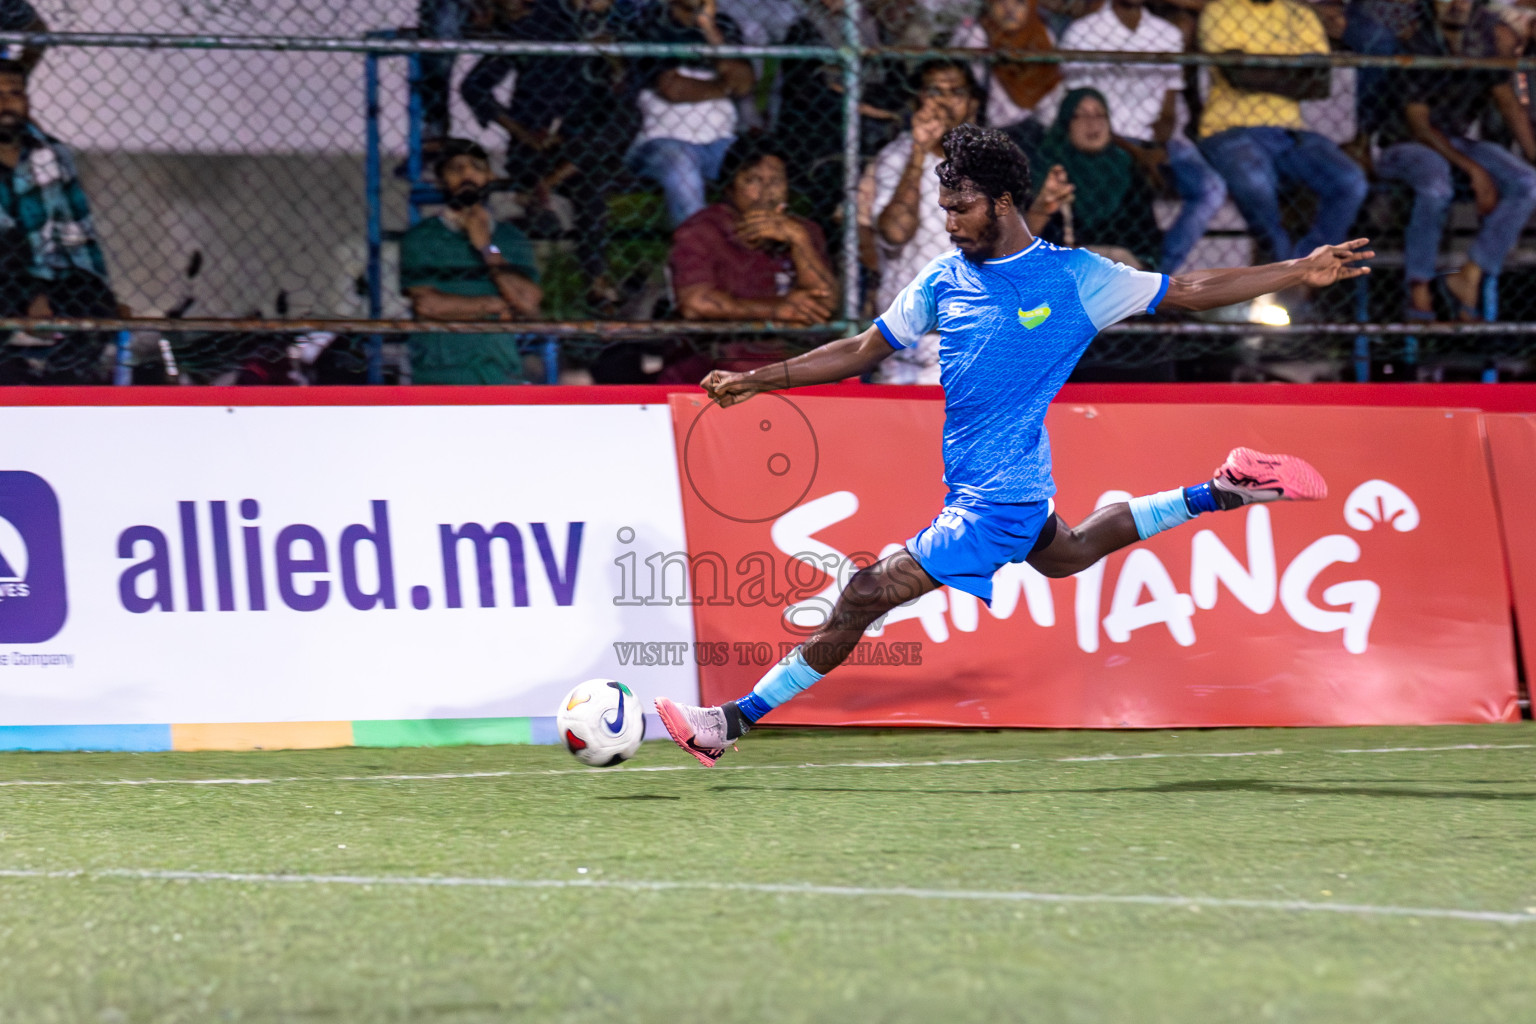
point(620, 203)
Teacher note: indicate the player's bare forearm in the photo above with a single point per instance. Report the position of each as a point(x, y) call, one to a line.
point(827, 364)
point(1210, 289)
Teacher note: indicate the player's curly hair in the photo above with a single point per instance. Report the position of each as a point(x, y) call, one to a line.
point(988, 159)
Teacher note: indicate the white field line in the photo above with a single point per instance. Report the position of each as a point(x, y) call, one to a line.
point(502, 774)
point(439, 776)
point(1417, 750)
point(784, 889)
point(1147, 757)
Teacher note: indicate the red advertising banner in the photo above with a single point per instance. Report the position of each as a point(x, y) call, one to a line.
point(1512, 450)
point(1383, 604)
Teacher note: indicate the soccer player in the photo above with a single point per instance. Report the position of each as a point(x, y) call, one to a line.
point(1014, 314)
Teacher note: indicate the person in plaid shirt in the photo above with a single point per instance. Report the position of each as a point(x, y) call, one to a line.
point(50, 259)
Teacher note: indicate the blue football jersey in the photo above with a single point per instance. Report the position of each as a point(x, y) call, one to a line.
point(1011, 330)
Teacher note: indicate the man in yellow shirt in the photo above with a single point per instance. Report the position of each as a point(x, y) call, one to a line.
point(1252, 131)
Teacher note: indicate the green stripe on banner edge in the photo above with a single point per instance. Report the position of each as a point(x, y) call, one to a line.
point(441, 732)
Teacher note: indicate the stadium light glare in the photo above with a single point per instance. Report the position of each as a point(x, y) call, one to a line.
point(1265, 310)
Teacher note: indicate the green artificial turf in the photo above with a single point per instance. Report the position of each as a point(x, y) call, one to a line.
point(1311, 823)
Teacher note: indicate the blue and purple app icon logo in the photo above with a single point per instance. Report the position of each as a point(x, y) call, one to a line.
point(33, 605)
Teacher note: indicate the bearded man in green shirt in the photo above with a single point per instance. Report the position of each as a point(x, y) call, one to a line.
point(462, 265)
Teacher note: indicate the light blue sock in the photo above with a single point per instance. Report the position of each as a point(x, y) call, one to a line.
point(785, 679)
point(1155, 513)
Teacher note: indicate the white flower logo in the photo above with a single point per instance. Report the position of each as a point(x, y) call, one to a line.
point(1377, 501)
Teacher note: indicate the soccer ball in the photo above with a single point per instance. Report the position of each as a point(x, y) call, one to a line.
point(601, 722)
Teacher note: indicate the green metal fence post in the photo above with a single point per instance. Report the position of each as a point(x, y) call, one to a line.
point(852, 62)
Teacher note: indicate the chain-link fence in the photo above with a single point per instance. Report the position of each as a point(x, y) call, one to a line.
point(637, 190)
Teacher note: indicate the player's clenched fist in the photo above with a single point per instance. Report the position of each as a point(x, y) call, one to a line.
point(729, 388)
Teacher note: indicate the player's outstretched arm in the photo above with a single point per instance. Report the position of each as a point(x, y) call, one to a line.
point(1208, 289)
point(832, 362)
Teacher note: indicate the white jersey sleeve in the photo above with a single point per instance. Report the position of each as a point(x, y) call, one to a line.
point(913, 312)
point(1111, 292)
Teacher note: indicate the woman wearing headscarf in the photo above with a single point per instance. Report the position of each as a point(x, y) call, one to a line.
point(1111, 208)
point(1020, 96)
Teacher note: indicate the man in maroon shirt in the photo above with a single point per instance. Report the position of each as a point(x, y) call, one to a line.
point(746, 258)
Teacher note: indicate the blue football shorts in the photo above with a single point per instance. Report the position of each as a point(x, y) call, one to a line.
point(972, 538)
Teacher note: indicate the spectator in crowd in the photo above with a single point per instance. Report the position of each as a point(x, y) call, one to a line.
point(909, 223)
point(1184, 15)
point(762, 22)
point(1021, 98)
point(1059, 14)
point(687, 107)
point(810, 119)
point(20, 16)
point(910, 226)
point(1377, 28)
point(448, 19)
point(1519, 17)
point(1430, 135)
point(907, 23)
point(462, 265)
point(869, 246)
point(562, 121)
point(1111, 208)
point(1143, 100)
point(1400, 18)
point(50, 257)
point(1252, 132)
point(747, 257)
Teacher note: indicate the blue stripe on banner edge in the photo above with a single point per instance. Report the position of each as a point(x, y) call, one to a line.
point(141, 738)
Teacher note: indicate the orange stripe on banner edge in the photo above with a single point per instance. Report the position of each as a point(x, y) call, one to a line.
point(261, 736)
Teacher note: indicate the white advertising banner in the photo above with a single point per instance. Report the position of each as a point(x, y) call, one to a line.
point(290, 564)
